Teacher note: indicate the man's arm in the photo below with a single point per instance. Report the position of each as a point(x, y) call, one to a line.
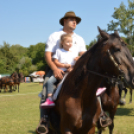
point(57, 72)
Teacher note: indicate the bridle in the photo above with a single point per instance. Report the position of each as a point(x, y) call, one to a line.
point(114, 78)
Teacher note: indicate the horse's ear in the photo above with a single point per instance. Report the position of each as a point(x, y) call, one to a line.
point(103, 33)
point(116, 33)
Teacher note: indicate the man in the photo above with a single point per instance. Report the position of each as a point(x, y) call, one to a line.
point(69, 22)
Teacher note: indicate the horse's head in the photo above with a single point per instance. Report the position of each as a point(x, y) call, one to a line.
point(115, 58)
point(14, 74)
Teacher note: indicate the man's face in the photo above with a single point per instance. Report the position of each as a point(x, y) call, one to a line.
point(70, 23)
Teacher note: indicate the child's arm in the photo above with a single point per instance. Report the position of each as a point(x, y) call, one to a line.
point(61, 65)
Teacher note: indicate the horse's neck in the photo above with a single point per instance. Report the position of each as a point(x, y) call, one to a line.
point(89, 93)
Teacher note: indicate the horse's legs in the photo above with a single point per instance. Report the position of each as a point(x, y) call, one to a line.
point(130, 101)
point(99, 127)
point(5, 88)
point(111, 127)
point(125, 93)
point(120, 90)
point(18, 88)
point(10, 88)
point(99, 130)
point(121, 102)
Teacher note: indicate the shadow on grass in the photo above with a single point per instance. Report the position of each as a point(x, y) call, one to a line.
point(32, 132)
point(124, 111)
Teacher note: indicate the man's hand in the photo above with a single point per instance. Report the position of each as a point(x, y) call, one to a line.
point(58, 73)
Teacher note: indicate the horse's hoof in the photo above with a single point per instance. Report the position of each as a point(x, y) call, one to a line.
point(124, 100)
point(122, 103)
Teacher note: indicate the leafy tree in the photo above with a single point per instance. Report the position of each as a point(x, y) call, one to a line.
point(25, 66)
point(124, 20)
point(18, 51)
point(10, 56)
point(36, 53)
point(7, 58)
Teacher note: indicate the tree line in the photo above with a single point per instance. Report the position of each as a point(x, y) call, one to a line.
point(21, 59)
point(26, 60)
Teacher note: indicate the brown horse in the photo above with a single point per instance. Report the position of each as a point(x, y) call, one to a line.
point(109, 101)
point(7, 81)
point(17, 78)
point(77, 107)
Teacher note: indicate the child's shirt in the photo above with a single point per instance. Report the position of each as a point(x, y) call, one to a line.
point(65, 57)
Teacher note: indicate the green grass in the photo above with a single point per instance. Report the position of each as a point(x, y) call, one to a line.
point(19, 112)
point(124, 119)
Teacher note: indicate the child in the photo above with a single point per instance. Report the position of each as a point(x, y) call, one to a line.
point(64, 59)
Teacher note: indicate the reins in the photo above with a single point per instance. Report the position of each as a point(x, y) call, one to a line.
point(102, 75)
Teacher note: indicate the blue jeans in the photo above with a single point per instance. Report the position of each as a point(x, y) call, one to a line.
point(44, 112)
point(50, 83)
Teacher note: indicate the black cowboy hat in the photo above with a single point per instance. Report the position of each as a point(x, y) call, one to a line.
point(69, 14)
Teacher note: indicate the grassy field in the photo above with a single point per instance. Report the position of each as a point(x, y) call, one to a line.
point(19, 112)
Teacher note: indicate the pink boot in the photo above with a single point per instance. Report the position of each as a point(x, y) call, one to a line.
point(100, 91)
point(48, 104)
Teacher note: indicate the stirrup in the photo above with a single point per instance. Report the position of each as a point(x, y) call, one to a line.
point(105, 121)
point(42, 127)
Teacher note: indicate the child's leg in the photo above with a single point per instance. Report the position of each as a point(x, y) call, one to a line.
point(44, 91)
point(49, 86)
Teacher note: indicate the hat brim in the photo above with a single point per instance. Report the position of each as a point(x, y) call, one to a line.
point(78, 19)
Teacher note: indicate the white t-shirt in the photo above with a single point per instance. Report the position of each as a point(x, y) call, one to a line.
point(65, 57)
point(53, 42)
